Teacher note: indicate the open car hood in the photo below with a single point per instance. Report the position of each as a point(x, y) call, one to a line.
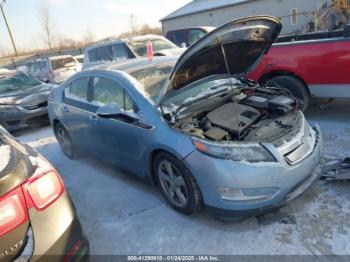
point(230, 50)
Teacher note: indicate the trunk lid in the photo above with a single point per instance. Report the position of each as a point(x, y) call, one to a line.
point(15, 168)
point(233, 49)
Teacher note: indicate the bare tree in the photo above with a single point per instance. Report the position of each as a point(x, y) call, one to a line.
point(147, 29)
point(88, 37)
point(47, 25)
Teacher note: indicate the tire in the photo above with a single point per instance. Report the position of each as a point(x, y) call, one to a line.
point(297, 88)
point(186, 197)
point(65, 141)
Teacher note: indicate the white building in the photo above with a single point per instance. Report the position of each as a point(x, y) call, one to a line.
point(293, 13)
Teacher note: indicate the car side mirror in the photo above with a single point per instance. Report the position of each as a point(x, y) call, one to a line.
point(109, 110)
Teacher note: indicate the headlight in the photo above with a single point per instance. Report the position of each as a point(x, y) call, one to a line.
point(7, 101)
point(235, 152)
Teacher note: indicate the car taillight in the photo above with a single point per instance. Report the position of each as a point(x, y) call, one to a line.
point(12, 211)
point(43, 190)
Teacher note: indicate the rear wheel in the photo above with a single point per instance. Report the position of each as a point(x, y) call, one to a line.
point(297, 88)
point(177, 184)
point(65, 141)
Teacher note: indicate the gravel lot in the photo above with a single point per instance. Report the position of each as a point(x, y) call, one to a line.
point(124, 215)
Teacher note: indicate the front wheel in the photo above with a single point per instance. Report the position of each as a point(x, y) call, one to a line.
point(65, 141)
point(177, 184)
point(296, 87)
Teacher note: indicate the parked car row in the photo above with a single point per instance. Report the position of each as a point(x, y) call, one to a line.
point(189, 120)
point(117, 50)
point(24, 93)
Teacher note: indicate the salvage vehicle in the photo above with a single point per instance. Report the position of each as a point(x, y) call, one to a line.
point(187, 36)
point(38, 220)
point(309, 65)
point(54, 69)
point(23, 100)
point(128, 48)
point(197, 126)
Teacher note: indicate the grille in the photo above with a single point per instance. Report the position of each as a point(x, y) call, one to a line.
point(33, 107)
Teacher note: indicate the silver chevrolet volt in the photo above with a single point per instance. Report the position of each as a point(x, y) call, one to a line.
point(195, 125)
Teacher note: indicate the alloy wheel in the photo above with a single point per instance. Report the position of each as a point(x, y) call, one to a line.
point(172, 183)
point(64, 141)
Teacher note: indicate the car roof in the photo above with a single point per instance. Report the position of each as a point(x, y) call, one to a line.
point(124, 40)
point(49, 57)
point(205, 28)
point(131, 65)
point(143, 37)
point(104, 43)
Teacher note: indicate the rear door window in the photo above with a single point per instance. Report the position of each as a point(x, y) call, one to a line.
point(120, 52)
point(107, 91)
point(78, 89)
point(178, 38)
point(43, 65)
point(37, 67)
point(108, 53)
point(105, 53)
point(30, 67)
point(92, 54)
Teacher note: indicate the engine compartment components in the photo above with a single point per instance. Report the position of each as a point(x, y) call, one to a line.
point(254, 114)
point(216, 134)
point(234, 118)
point(280, 104)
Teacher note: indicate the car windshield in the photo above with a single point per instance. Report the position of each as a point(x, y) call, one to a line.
point(152, 80)
point(62, 62)
point(16, 81)
point(139, 47)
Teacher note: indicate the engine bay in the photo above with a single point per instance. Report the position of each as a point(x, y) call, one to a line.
point(253, 114)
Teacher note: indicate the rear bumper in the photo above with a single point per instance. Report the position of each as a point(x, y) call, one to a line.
point(18, 117)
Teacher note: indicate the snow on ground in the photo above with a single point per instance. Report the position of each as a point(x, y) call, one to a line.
point(124, 215)
point(5, 154)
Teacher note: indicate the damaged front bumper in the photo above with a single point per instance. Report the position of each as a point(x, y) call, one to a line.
point(281, 182)
point(18, 117)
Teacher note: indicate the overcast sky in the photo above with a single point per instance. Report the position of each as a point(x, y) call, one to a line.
point(72, 18)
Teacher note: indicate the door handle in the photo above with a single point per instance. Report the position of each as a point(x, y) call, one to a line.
point(65, 109)
point(93, 120)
